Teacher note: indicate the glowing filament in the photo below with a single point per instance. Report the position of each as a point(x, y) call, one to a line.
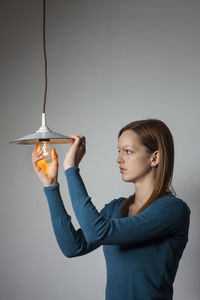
point(46, 150)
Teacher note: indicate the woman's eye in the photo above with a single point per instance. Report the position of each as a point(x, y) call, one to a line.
point(128, 151)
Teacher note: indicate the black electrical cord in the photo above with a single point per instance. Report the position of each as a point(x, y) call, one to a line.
point(45, 57)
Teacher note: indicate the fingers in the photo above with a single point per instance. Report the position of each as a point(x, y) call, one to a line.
point(36, 168)
point(36, 149)
point(76, 136)
point(36, 157)
point(54, 155)
point(78, 139)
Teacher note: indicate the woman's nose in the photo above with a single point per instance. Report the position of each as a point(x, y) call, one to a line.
point(119, 159)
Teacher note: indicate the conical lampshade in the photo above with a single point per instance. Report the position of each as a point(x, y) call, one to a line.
point(43, 134)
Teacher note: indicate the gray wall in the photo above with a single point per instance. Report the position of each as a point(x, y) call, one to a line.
point(109, 63)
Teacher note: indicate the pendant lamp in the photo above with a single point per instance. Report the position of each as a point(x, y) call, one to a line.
point(44, 136)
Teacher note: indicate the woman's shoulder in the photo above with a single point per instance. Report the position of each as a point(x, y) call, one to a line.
point(169, 203)
point(112, 208)
point(172, 202)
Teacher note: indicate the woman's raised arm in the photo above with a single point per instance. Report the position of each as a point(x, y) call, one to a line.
point(72, 242)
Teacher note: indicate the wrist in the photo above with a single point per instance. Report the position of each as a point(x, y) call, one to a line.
point(54, 182)
point(69, 166)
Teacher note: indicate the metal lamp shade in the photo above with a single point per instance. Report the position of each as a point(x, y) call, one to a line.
point(43, 134)
point(37, 137)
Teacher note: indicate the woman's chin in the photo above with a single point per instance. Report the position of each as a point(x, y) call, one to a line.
point(126, 178)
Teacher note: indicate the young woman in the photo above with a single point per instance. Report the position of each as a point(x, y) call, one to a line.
point(143, 236)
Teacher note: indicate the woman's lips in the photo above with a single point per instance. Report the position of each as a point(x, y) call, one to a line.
point(122, 170)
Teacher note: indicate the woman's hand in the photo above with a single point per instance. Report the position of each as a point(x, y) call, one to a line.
point(46, 172)
point(76, 151)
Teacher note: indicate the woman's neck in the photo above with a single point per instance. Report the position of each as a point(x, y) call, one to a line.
point(143, 191)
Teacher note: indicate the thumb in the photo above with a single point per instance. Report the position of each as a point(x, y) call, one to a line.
point(54, 155)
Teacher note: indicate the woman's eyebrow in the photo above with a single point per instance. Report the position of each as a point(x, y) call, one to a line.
point(126, 146)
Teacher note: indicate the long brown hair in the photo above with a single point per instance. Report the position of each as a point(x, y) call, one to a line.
point(155, 135)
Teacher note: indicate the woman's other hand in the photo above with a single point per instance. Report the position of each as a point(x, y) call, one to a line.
point(46, 172)
point(76, 151)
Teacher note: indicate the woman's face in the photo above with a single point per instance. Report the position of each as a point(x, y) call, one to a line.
point(134, 160)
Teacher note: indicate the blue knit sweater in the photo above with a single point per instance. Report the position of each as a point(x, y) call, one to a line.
point(142, 252)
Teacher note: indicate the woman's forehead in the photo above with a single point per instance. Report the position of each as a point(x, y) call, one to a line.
point(129, 138)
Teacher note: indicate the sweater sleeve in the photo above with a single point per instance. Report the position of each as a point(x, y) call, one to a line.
point(71, 242)
point(165, 216)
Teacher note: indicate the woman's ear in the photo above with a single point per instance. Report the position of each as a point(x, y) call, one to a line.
point(155, 158)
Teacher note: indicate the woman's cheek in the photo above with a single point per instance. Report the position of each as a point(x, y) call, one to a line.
point(133, 157)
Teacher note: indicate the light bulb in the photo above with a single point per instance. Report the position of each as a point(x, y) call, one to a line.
point(46, 150)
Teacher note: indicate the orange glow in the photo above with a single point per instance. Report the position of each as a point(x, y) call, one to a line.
point(43, 164)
